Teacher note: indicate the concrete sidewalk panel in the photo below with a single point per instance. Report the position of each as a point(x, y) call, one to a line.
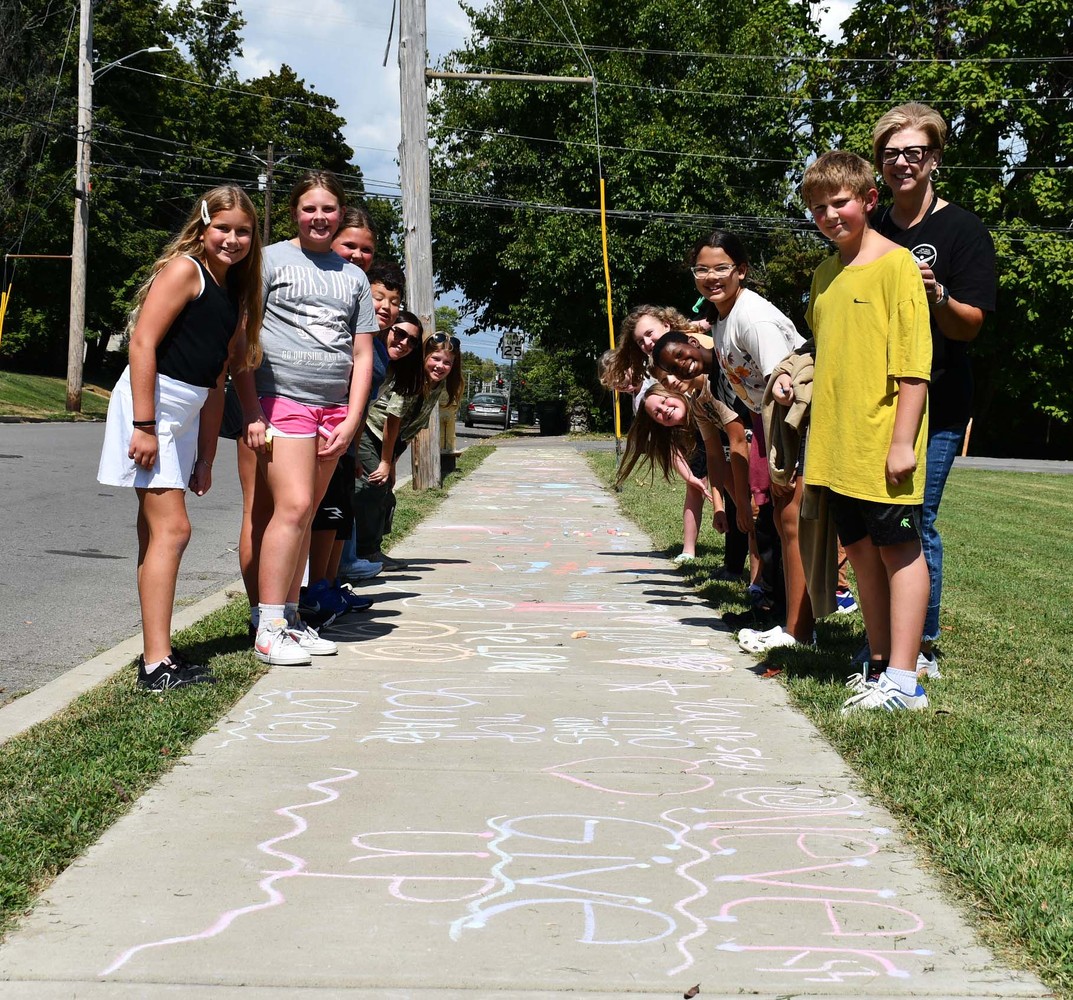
point(475, 799)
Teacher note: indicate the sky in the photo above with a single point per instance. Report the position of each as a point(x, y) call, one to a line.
point(337, 47)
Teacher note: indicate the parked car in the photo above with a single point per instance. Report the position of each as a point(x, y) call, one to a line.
point(487, 408)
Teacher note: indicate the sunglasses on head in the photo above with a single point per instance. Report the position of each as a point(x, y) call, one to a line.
point(443, 338)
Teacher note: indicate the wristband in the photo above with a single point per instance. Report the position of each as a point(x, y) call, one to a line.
point(144, 423)
point(945, 295)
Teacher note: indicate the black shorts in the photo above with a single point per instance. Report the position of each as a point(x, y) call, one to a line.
point(883, 523)
point(336, 510)
point(231, 426)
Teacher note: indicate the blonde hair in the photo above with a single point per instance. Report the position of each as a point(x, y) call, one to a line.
point(655, 443)
point(243, 278)
point(628, 364)
point(837, 171)
point(911, 115)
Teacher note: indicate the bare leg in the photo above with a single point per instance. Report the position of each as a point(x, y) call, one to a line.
point(692, 512)
point(799, 618)
point(290, 473)
point(256, 512)
point(321, 547)
point(909, 584)
point(335, 559)
point(163, 534)
point(873, 595)
point(322, 476)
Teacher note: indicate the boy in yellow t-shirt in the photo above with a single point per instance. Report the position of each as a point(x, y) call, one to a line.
point(869, 315)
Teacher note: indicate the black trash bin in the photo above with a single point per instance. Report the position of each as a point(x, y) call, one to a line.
point(526, 413)
point(552, 417)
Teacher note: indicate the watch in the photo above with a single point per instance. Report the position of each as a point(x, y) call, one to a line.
point(944, 296)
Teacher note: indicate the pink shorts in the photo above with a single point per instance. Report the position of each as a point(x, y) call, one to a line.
point(300, 420)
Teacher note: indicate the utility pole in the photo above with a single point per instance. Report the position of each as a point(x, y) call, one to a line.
point(417, 212)
point(76, 331)
point(267, 221)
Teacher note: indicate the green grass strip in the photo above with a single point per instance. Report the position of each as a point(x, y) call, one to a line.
point(983, 782)
point(40, 397)
point(65, 781)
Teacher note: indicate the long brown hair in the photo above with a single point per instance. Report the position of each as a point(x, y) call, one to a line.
point(628, 365)
point(656, 443)
point(243, 279)
point(444, 342)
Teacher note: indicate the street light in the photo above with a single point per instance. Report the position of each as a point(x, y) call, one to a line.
point(80, 231)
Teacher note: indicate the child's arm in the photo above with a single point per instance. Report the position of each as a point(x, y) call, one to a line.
point(901, 458)
point(681, 466)
point(361, 380)
point(253, 418)
point(382, 473)
point(207, 438)
point(739, 474)
point(178, 283)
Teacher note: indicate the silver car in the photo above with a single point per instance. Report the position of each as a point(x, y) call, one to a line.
point(487, 408)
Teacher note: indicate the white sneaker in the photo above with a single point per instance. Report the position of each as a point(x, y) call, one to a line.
point(886, 695)
point(275, 646)
point(682, 558)
point(928, 666)
point(309, 640)
point(750, 637)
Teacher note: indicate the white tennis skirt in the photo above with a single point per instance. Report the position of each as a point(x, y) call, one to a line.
point(178, 418)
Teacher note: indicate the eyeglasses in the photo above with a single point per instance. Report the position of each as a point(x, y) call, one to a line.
point(719, 271)
point(404, 334)
point(912, 154)
point(443, 338)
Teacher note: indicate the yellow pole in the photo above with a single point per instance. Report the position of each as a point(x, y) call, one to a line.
point(610, 317)
point(4, 296)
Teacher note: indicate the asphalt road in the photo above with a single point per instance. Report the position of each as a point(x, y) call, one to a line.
point(68, 551)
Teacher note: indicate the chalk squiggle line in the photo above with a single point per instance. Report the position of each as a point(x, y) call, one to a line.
point(702, 891)
point(275, 897)
point(248, 718)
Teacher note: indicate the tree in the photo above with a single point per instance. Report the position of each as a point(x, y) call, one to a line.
point(999, 73)
point(447, 319)
point(515, 168)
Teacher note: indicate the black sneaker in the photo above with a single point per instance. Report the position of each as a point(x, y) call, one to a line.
point(173, 673)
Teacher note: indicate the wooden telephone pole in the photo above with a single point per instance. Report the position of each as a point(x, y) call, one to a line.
point(417, 212)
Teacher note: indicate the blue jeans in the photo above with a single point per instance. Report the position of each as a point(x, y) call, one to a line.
point(943, 445)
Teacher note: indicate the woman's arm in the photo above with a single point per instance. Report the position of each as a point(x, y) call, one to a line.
point(382, 473)
point(177, 284)
point(208, 437)
point(739, 474)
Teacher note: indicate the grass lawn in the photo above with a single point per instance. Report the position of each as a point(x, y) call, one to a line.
point(44, 398)
point(983, 781)
point(63, 782)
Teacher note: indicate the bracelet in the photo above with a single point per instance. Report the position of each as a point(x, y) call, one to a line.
point(144, 423)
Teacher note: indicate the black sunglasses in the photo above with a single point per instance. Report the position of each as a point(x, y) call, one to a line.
point(404, 334)
point(443, 338)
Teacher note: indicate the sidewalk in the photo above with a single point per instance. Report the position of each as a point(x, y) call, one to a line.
point(536, 769)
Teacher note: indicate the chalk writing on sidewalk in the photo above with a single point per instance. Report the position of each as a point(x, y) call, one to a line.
point(655, 884)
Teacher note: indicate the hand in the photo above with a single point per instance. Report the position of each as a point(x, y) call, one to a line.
point(783, 390)
point(201, 478)
point(744, 511)
point(143, 448)
point(336, 443)
point(719, 521)
point(255, 435)
point(381, 474)
point(901, 463)
point(931, 286)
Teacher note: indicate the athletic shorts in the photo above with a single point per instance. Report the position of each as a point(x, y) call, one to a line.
point(698, 462)
point(883, 523)
point(301, 420)
point(336, 510)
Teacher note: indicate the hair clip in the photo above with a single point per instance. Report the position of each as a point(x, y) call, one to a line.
point(205, 217)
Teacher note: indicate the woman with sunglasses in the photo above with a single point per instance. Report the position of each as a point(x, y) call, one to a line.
point(402, 409)
point(956, 256)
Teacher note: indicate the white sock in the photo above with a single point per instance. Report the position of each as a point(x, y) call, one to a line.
point(905, 679)
point(268, 613)
point(150, 667)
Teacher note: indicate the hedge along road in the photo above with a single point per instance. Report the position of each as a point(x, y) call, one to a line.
point(68, 551)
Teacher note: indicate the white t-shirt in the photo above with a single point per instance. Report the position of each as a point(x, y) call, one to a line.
point(315, 304)
point(750, 342)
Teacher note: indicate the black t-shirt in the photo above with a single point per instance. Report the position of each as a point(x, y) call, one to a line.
point(959, 249)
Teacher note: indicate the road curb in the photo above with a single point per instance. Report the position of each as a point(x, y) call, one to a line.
point(44, 702)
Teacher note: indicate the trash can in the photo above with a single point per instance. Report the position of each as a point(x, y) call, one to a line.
point(552, 417)
point(526, 413)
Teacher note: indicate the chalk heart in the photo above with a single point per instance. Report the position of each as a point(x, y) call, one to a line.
point(635, 775)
